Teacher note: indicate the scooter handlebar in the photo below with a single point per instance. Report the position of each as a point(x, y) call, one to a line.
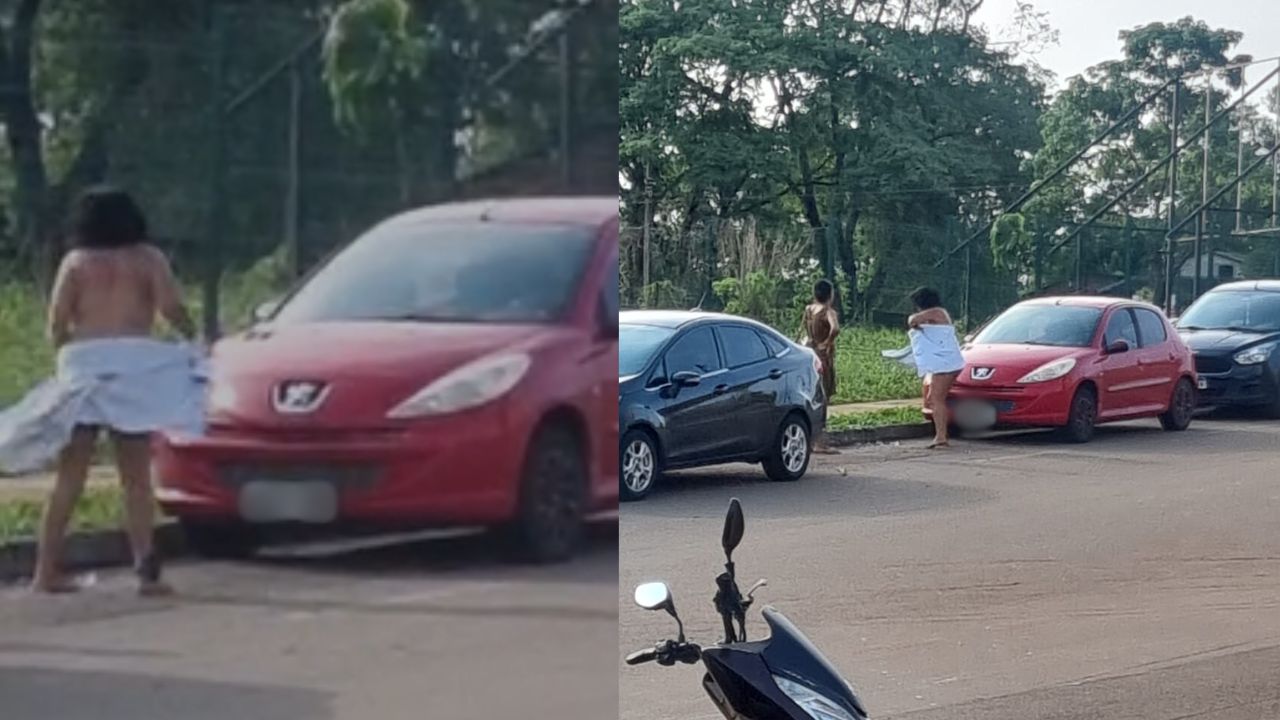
point(667, 652)
point(641, 657)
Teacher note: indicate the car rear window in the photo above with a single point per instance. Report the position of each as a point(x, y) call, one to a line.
point(776, 346)
point(742, 346)
point(1150, 327)
point(448, 272)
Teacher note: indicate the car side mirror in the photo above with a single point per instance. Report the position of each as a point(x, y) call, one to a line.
point(968, 338)
point(686, 378)
point(266, 310)
point(1117, 346)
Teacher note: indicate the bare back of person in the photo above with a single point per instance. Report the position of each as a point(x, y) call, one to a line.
point(113, 292)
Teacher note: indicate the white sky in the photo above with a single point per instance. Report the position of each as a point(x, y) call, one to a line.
point(1089, 29)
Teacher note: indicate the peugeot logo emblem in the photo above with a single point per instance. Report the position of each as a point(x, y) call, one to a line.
point(982, 373)
point(297, 397)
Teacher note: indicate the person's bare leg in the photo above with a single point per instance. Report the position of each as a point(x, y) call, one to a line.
point(133, 460)
point(73, 470)
point(938, 391)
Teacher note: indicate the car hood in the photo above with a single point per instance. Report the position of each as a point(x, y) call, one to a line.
point(1011, 362)
point(368, 367)
point(1225, 341)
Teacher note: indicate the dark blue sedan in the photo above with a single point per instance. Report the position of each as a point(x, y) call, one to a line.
point(700, 388)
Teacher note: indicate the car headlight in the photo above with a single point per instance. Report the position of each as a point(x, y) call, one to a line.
point(1049, 371)
point(817, 705)
point(471, 385)
point(1254, 355)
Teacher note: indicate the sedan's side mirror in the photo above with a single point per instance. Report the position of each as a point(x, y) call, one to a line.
point(266, 310)
point(686, 378)
point(1117, 346)
point(968, 338)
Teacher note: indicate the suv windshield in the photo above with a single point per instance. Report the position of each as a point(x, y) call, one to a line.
point(1250, 311)
point(448, 272)
point(636, 346)
point(1039, 324)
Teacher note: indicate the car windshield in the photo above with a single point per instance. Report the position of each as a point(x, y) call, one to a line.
point(1233, 310)
point(636, 346)
point(448, 272)
point(1038, 324)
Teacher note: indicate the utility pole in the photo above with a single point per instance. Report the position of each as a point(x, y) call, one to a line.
point(217, 200)
point(293, 192)
point(1202, 220)
point(1170, 249)
point(566, 103)
point(648, 224)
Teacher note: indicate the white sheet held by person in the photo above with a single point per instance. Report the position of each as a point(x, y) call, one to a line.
point(134, 386)
point(111, 377)
point(933, 349)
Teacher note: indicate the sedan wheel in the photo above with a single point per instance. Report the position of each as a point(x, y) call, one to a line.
point(788, 459)
point(638, 469)
point(1181, 407)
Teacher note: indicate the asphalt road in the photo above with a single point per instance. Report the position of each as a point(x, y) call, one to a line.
point(1010, 578)
point(439, 629)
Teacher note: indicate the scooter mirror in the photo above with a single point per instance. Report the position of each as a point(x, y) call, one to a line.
point(653, 596)
point(734, 525)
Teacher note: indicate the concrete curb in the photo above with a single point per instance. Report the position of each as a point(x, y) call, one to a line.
point(888, 433)
point(85, 550)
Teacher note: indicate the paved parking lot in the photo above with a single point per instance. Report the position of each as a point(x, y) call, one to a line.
point(1134, 577)
point(414, 630)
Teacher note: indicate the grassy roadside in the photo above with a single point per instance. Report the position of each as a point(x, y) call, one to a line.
point(100, 508)
point(863, 375)
point(875, 419)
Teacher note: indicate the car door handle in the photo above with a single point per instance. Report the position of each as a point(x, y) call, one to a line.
point(721, 389)
point(775, 373)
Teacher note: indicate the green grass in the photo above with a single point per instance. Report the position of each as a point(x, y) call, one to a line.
point(862, 375)
point(100, 508)
point(875, 418)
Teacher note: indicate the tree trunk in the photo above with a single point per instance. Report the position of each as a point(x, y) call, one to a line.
point(25, 135)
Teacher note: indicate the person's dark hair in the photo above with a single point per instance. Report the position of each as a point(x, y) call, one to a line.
point(107, 217)
point(823, 290)
point(925, 298)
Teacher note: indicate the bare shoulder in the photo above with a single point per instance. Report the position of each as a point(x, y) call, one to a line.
point(153, 256)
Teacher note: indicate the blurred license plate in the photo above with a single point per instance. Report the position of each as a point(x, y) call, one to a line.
point(1202, 383)
point(974, 414)
point(309, 502)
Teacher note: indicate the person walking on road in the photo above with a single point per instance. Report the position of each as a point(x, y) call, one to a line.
point(937, 357)
point(111, 375)
point(821, 327)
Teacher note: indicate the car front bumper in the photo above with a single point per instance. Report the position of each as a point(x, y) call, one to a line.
point(434, 472)
point(1039, 405)
point(1241, 386)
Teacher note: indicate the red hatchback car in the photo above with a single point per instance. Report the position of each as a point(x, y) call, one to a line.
point(456, 365)
point(1072, 363)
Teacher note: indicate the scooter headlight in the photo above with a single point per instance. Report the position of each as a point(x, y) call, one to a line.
point(817, 705)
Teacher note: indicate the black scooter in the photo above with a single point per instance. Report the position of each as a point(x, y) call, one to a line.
point(783, 677)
